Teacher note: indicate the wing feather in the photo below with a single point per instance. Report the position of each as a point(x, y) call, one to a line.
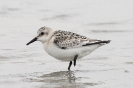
point(66, 39)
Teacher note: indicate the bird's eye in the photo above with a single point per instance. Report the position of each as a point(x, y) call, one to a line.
point(42, 33)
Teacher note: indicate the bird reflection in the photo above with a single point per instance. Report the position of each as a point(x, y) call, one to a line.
point(63, 76)
point(60, 79)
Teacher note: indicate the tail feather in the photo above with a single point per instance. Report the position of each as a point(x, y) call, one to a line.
point(106, 41)
point(98, 42)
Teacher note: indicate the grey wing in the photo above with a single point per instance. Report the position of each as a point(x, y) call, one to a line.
point(65, 39)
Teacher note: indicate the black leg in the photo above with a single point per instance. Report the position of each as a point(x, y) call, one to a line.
point(69, 65)
point(75, 58)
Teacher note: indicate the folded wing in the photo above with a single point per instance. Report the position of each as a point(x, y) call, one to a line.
point(65, 39)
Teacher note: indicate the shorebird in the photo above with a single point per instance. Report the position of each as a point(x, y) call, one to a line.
point(65, 45)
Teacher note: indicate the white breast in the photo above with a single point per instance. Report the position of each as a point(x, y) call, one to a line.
point(68, 54)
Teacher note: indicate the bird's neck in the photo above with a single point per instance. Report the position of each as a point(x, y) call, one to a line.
point(50, 36)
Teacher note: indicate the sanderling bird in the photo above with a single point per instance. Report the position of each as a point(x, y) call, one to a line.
point(65, 45)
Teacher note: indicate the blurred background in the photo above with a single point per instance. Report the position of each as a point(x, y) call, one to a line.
point(110, 66)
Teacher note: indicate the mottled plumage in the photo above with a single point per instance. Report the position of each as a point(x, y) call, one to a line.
point(66, 39)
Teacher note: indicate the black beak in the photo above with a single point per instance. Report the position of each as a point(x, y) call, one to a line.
point(33, 40)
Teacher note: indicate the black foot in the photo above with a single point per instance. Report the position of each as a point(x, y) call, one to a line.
point(75, 58)
point(69, 65)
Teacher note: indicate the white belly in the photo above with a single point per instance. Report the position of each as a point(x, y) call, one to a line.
point(68, 54)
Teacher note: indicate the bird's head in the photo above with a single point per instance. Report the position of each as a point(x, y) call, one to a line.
point(43, 34)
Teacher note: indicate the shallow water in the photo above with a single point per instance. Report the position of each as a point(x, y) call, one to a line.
point(110, 66)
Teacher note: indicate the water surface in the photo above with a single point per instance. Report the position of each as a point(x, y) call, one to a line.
point(110, 66)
